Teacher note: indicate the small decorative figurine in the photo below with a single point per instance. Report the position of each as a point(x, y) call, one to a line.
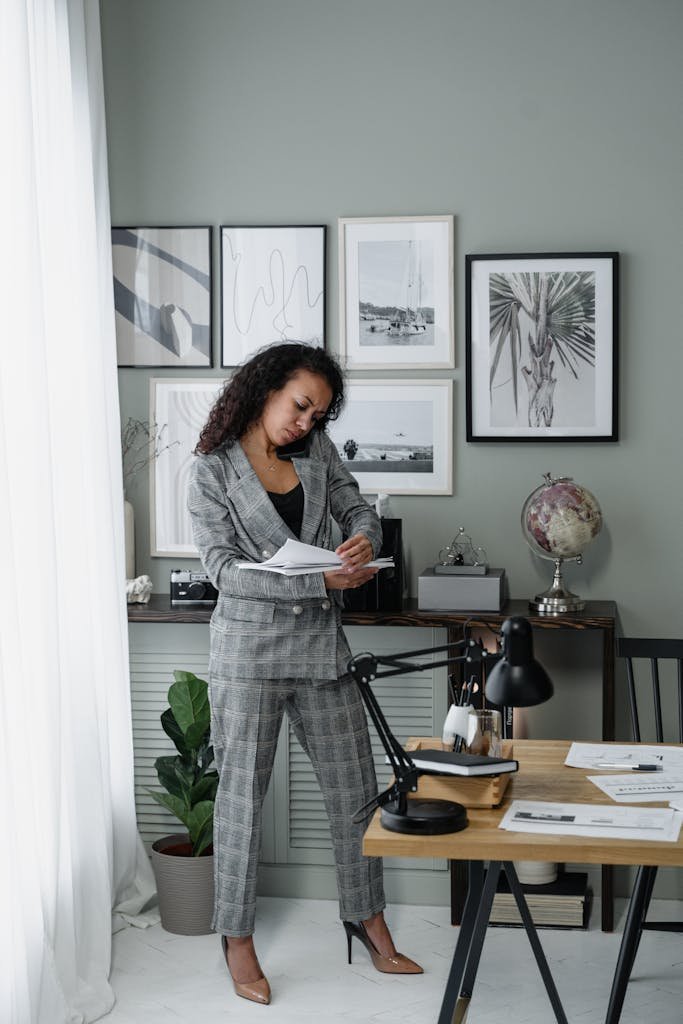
point(461, 557)
point(138, 590)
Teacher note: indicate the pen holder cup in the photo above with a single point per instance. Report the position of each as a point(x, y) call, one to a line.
point(484, 732)
point(470, 791)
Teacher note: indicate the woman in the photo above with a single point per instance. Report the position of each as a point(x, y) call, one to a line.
point(267, 471)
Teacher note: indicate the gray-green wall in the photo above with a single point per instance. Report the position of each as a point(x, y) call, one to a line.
point(542, 125)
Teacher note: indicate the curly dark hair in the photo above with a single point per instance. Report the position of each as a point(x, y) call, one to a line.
point(244, 395)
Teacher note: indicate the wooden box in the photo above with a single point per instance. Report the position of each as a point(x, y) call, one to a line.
point(468, 790)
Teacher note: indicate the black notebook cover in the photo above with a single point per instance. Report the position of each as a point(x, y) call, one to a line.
point(447, 762)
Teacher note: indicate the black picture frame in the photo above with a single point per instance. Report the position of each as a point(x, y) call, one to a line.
point(163, 296)
point(273, 287)
point(563, 389)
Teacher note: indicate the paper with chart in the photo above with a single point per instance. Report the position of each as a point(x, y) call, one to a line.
point(295, 559)
point(594, 821)
point(626, 755)
point(640, 787)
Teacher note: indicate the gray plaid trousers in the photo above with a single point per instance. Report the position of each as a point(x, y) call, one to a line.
point(329, 721)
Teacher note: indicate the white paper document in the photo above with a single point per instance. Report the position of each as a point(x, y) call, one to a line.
point(296, 559)
point(624, 755)
point(640, 787)
point(661, 824)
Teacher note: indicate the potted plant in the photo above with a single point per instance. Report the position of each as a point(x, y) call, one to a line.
point(183, 863)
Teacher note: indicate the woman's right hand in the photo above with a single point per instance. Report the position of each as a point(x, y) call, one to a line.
point(348, 580)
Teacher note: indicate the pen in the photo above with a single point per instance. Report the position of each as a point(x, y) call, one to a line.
point(629, 767)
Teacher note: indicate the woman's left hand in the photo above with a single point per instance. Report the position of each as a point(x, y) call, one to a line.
point(355, 552)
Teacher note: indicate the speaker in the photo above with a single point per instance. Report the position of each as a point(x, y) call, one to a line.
point(385, 592)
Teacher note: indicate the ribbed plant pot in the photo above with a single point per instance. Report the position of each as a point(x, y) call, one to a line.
point(184, 885)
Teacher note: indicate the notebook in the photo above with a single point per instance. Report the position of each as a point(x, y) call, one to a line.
point(446, 762)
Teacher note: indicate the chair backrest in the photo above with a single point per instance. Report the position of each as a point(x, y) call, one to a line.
point(653, 651)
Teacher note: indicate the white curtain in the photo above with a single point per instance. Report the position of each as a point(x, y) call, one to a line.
point(69, 850)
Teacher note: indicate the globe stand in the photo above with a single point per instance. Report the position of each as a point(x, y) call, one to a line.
point(557, 599)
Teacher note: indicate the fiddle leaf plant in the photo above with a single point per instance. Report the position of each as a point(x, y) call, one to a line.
point(188, 777)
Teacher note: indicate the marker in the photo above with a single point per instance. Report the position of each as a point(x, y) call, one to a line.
point(630, 767)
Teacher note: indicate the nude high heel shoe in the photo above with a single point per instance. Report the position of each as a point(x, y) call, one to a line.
point(257, 991)
point(398, 964)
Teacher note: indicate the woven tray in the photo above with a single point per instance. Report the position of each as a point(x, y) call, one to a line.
point(470, 791)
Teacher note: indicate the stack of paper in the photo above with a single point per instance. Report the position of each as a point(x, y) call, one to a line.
point(564, 903)
point(661, 824)
point(640, 787)
point(296, 559)
point(624, 755)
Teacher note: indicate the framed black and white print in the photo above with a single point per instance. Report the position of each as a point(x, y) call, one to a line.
point(180, 407)
point(396, 292)
point(395, 436)
point(273, 288)
point(162, 296)
point(542, 347)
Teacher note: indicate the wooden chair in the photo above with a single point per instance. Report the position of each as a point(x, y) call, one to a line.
point(654, 652)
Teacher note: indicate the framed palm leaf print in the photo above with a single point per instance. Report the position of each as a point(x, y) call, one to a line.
point(542, 343)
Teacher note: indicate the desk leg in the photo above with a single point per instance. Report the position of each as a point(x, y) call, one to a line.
point(470, 940)
point(467, 954)
point(640, 899)
point(528, 923)
point(459, 888)
point(608, 684)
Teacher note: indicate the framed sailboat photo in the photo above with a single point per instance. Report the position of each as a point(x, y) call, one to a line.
point(396, 292)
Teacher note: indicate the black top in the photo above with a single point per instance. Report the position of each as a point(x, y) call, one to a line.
point(290, 507)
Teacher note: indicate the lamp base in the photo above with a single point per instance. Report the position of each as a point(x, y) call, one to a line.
point(425, 817)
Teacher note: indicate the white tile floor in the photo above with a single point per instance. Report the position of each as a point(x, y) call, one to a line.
point(161, 978)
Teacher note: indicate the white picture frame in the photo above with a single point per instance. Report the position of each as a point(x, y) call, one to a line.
point(396, 292)
point(181, 407)
point(272, 287)
point(392, 423)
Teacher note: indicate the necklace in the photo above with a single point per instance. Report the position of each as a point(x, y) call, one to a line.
point(270, 468)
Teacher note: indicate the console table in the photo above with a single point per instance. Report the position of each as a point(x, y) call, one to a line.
point(597, 615)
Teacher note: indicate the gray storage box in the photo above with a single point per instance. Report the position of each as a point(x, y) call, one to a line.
point(436, 592)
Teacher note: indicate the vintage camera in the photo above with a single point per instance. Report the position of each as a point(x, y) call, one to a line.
point(192, 588)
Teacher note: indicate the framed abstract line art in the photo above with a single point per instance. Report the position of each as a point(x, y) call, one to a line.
point(181, 407)
point(272, 288)
point(162, 296)
point(396, 436)
point(542, 347)
point(396, 292)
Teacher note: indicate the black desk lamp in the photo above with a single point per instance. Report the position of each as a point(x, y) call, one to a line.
point(516, 680)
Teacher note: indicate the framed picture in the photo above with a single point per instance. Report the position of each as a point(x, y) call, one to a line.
point(542, 344)
point(396, 292)
point(162, 296)
point(181, 407)
point(395, 436)
point(273, 288)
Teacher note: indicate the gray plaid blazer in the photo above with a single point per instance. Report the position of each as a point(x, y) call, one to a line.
point(268, 626)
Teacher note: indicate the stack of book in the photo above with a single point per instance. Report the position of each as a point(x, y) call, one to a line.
point(564, 903)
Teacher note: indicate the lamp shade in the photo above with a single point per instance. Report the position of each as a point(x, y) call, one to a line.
point(518, 680)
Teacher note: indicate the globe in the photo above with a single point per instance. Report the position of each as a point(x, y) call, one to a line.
point(559, 520)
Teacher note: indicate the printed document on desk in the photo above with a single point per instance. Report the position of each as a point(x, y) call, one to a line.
point(640, 787)
point(296, 559)
point(592, 755)
point(594, 821)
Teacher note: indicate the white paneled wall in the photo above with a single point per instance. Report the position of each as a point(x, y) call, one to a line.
point(296, 831)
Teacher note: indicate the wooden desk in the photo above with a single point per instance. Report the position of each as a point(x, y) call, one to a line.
point(542, 776)
point(597, 615)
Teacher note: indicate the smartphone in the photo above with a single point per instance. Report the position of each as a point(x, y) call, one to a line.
point(297, 449)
